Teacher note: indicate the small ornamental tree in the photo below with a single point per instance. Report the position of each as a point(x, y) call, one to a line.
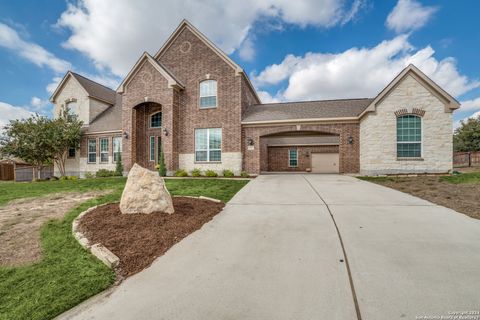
point(467, 136)
point(65, 132)
point(119, 166)
point(29, 140)
point(162, 169)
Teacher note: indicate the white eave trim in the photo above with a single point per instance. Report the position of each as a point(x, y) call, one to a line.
point(172, 83)
point(62, 83)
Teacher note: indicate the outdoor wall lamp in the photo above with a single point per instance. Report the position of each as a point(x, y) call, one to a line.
point(165, 131)
point(125, 134)
point(350, 140)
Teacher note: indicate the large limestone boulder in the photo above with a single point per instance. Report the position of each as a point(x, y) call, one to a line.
point(145, 192)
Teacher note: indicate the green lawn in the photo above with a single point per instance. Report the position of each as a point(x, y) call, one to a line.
point(67, 274)
point(470, 177)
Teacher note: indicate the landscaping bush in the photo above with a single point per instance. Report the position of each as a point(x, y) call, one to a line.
point(196, 173)
point(89, 175)
point(119, 167)
point(63, 178)
point(162, 168)
point(244, 174)
point(72, 178)
point(211, 173)
point(227, 173)
point(103, 173)
point(53, 178)
point(181, 173)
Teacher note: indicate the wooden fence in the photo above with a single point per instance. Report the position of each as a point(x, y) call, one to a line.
point(7, 171)
point(466, 159)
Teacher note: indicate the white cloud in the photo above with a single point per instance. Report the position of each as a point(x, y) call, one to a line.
point(458, 123)
point(265, 97)
point(53, 85)
point(358, 72)
point(470, 105)
point(9, 112)
point(10, 39)
point(247, 50)
point(38, 103)
point(409, 15)
point(99, 30)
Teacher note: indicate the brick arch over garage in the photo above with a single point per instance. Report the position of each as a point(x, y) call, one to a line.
point(349, 153)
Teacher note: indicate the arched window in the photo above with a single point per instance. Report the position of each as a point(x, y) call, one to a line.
point(409, 136)
point(156, 120)
point(208, 94)
point(72, 110)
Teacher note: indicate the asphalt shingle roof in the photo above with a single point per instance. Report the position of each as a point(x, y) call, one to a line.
point(343, 108)
point(95, 89)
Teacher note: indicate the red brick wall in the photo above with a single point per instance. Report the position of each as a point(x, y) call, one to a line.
point(278, 159)
point(192, 66)
point(257, 160)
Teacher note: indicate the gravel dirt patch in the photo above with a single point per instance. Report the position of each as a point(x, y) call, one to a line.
point(138, 239)
point(464, 198)
point(21, 220)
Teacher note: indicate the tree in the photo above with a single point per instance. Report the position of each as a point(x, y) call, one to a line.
point(162, 169)
point(65, 132)
point(467, 136)
point(29, 140)
point(119, 166)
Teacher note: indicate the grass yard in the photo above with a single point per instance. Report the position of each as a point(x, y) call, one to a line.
point(458, 192)
point(67, 274)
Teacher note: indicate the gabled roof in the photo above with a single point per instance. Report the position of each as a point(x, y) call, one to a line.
point(186, 24)
point(145, 57)
point(450, 102)
point(93, 89)
point(109, 120)
point(342, 109)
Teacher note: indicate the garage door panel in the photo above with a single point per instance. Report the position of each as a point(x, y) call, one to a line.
point(325, 162)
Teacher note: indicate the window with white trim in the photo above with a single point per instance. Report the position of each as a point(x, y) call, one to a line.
point(92, 150)
point(73, 110)
point(104, 150)
point(156, 120)
point(208, 94)
point(293, 158)
point(409, 136)
point(208, 145)
point(152, 148)
point(117, 148)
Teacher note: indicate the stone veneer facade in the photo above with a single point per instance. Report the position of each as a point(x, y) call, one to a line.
point(378, 147)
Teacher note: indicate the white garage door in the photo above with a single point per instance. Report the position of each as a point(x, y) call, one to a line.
point(325, 162)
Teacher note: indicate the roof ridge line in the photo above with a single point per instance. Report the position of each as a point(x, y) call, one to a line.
point(306, 101)
point(77, 74)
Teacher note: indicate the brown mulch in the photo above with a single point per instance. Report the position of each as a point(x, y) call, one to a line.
point(138, 239)
point(464, 198)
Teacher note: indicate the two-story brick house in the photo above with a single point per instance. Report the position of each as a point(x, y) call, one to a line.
point(199, 106)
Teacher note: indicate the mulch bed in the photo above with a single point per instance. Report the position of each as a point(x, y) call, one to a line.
point(138, 239)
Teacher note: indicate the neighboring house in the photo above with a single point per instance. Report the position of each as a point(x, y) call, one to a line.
point(199, 106)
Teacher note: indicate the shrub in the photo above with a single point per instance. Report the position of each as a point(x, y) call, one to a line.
point(103, 173)
point(162, 168)
point(181, 173)
point(89, 175)
point(196, 173)
point(53, 178)
point(244, 174)
point(227, 173)
point(63, 178)
point(119, 166)
point(210, 173)
point(74, 178)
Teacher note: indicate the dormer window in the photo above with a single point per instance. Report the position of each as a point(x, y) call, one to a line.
point(208, 94)
point(156, 120)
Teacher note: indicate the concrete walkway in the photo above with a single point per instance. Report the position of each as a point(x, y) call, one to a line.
point(275, 253)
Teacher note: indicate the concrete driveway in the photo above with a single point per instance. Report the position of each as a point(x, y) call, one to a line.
point(277, 252)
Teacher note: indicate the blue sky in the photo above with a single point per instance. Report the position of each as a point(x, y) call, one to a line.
point(292, 50)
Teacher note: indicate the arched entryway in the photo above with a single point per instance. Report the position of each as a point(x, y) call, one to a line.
point(147, 140)
point(300, 151)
